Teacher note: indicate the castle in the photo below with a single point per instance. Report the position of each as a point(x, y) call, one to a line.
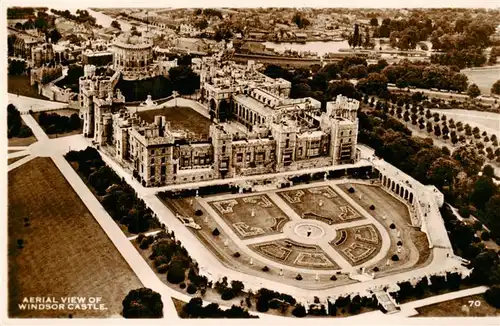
point(256, 129)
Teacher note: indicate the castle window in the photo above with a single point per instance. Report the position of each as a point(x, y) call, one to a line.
point(223, 149)
point(163, 170)
point(239, 157)
point(287, 143)
point(248, 157)
point(152, 171)
point(342, 133)
point(152, 161)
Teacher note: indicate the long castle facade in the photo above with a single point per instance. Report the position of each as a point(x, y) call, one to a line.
point(256, 129)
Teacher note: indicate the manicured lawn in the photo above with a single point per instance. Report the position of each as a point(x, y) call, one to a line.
point(21, 85)
point(17, 141)
point(66, 253)
point(180, 118)
point(13, 160)
point(453, 308)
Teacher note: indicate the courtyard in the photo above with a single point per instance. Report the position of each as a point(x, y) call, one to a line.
point(180, 118)
point(321, 231)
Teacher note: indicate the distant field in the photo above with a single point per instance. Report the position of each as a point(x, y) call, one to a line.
point(66, 253)
point(453, 308)
point(483, 78)
point(180, 118)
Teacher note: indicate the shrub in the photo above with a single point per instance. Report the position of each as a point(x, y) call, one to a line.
point(400, 243)
point(478, 225)
point(140, 237)
point(395, 258)
point(274, 304)
point(392, 226)
point(375, 269)
point(298, 277)
point(144, 244)
point(237, 254)
point(227, 294)
point(299, 311)
point(372, 207)
point(191, 289)
point(485, 236)
point(333, 278)
point(216, 232)
point(492, 296)
point(351, 190)
point(262, 304)
point(182, 285)
point(198, 212)
point(265, 269)
point(176, 274)
point(162, 269)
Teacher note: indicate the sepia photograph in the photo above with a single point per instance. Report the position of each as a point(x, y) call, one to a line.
point(280, 163)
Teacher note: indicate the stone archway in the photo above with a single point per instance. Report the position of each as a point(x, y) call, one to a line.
point(411, 198)
point(406, 194)
point(397, 189)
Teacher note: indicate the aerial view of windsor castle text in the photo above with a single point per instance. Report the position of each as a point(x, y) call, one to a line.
point(280, 164)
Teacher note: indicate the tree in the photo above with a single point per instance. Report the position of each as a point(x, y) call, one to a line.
point(495, 89)
point(54, 36)
point(116, 24)
point(492, 296)
point(184, 79)
point(142, 303)
point(469, 159)
point(299, 311)
point(374, 21)
point(237, 287)
point(443, 171)
point(473, 91)
point(484, 189)
point(492, 214)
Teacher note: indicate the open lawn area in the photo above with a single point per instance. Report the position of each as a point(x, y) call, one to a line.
point(21, 85)
point(64, 250)
point(18, 141)
point(15, 159)
point(453, 308)
point(180, 118)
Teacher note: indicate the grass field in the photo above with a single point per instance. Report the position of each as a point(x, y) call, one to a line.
point(17, 141)
point(453, 308)
point(21, 85)
point(15, 159)
point(180, 118)
point(66, 253)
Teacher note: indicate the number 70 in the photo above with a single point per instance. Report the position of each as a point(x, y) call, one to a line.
point(474, 303)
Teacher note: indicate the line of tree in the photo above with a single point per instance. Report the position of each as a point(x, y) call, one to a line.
point(116, 196)
point(15, 126)
point(195, 309)
point(53, 123)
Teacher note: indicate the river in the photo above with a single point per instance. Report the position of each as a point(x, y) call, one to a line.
point(103, 19)
point(320, 48)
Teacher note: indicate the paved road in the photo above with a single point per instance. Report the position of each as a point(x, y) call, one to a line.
point(24, 103)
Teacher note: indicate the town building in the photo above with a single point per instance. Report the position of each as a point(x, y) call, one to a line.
point(256, 129)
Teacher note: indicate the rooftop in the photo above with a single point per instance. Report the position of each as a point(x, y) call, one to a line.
point(255, 105)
